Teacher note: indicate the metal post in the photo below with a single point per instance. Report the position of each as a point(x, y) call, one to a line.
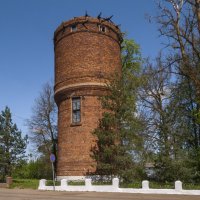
point(53, 176)
point(52, 159)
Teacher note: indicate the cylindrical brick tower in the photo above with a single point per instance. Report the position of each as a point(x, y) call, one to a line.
point(87, 55)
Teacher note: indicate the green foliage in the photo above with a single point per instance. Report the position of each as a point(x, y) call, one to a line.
point(76, 183)
point(191, 186)
point(38, 169)
point(102, 182)
point(193, 164)
point(161, 185)
point(12, 144)
point(170, 170)
point(25, 183)
point(179, 23)
point(170, 133)
point(118, 134)
point(50, 183)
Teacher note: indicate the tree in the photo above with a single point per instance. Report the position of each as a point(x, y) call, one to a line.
point(119, 132)
point(179, 22)
point(166, 130)
point(33, 169)
point(12, 144)
point(43, 122)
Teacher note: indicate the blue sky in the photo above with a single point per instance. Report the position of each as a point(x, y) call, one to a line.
point(26, 42)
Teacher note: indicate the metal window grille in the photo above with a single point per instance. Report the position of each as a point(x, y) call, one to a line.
point(76, 110)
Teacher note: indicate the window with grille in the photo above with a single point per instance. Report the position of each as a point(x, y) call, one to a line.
point(76, 110)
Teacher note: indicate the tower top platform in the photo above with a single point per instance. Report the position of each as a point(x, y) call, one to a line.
point(88, 24)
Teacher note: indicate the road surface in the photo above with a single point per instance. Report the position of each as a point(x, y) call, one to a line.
point(26, 194)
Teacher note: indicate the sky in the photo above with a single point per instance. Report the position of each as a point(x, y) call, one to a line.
point(26, 42)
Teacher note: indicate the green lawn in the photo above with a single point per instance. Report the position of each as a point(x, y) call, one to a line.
point(50, 183)
point(156, 185)
point(25, 183)
point(76, 183)
point(191, 186)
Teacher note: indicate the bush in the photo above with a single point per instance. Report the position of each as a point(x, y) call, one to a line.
point(37, 169)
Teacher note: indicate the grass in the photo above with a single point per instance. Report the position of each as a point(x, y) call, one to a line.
point(152, 185)
point(102, 183)
point(191, 186)
point(50, 183)
point(156, 185)
point(76, 183)
point(25, 183)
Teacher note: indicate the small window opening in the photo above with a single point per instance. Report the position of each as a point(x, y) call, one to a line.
point(102, 28)
point(73, 28)
point(76, 110)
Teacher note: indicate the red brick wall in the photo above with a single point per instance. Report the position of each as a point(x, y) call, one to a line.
point(84, 62)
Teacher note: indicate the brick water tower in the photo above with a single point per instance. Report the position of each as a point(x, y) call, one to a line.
point(87, 55)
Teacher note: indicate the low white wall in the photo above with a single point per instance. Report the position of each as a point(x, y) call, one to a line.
point(88, 187)
point(71, 178)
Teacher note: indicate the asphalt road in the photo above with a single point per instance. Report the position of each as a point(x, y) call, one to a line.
point(25, 194)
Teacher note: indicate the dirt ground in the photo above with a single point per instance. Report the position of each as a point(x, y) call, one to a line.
point(25, 194)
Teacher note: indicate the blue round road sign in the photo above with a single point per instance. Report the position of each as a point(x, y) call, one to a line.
point(52, 158)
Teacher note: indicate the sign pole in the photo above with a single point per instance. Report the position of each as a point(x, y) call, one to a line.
point(52, 159)
point(53, 176)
